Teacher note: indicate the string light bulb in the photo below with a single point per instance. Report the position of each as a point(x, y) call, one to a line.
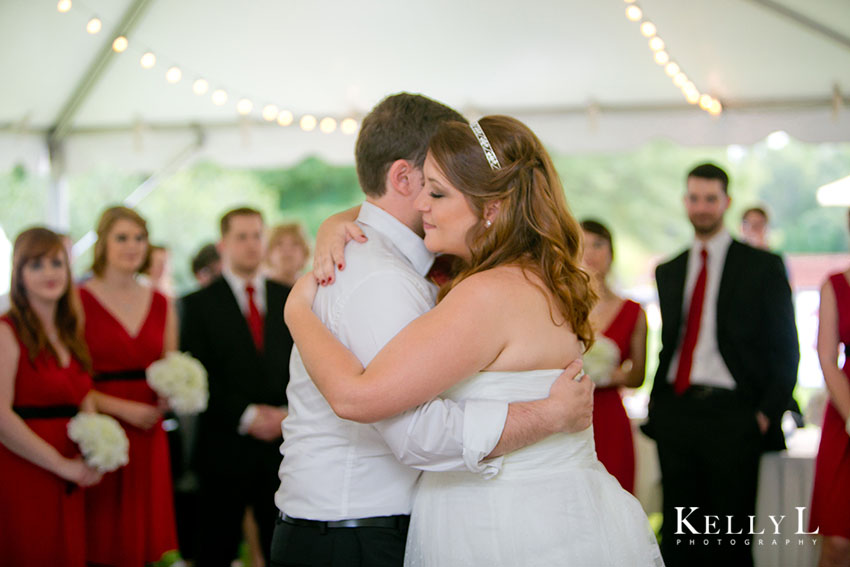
point(662, 57)
point(173, 75)
point(63, 6)
point(307, 122)
point(200, 87)
point(705, 102)
point(148, 60)
point(715, 108)
point(327, 125)
point(692, 96)
point(634, 13)
point(348, 126)
point(270, 112)
point(671, 69)
point(656, 43)
point(680, 79)
point(285, 118)
point(244, 106)
point(120, 44)
point(219, 97)
point(648, 29)
point(94, 25)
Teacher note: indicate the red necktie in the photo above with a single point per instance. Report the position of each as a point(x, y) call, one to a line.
point(686, 355)
point(255, 320)
point(441, 269)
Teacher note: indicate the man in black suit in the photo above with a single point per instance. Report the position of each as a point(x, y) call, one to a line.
point(727, 367)
point(235, 328)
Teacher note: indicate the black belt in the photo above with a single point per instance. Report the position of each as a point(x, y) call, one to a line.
point(137, 374)
point(700, 392)
point(374, 522)
point(45, 412)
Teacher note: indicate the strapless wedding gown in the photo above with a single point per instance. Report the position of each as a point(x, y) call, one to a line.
point(552, 504)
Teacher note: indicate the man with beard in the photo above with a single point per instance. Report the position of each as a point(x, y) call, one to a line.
point(727, 367)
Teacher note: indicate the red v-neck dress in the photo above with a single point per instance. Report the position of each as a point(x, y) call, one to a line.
point(130, 514)
point(42, 519)
point(830, 510)
point(612, 430)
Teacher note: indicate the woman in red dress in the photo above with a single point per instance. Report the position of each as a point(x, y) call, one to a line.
point(128, 326)
point(43, 383)
point(831, 496)
point(623, 322)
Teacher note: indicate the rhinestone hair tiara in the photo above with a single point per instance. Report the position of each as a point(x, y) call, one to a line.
point(485, 145)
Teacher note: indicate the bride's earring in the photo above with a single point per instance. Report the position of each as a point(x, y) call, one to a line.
point(488, 223)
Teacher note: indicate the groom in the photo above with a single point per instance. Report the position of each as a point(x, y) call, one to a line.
point(347, 488)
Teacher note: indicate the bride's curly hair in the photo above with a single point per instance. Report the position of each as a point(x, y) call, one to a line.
point(533, 227)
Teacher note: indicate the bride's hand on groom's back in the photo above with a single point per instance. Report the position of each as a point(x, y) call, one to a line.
point(331, 239)
point(571, 400)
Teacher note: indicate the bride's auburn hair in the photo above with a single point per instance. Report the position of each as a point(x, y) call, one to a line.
point(533, 227)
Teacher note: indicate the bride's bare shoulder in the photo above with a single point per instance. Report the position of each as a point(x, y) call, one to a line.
point(496, 282)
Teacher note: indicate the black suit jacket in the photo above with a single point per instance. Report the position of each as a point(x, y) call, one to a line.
point(214, 330)
point(756, 332)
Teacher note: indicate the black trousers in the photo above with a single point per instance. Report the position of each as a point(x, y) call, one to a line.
point(709, 448)
point(223, 500)
point(303, 546)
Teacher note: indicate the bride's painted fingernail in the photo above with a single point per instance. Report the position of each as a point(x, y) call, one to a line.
point(339, 266)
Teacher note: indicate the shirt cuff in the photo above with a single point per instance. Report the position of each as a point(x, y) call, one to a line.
point(483, 423)
point(247, 419)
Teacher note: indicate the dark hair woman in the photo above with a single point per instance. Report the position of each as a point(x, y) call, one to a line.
point(44, 381)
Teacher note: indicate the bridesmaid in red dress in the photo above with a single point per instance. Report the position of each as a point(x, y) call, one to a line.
point(623, 322)
point(831, 496)
point(43, 383)
point(128, 326)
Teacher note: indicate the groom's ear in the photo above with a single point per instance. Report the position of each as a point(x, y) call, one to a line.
point(402, 178)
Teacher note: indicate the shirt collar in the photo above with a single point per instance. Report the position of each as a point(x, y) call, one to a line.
point(716, 246)
point(408, 242)
point(237, 283)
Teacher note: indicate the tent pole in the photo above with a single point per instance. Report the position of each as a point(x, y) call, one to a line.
point(58, 205)
point(148, 186)
point(805, 21)
point(62, 124)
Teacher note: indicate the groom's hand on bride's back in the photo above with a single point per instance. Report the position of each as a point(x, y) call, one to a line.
point(571, 400)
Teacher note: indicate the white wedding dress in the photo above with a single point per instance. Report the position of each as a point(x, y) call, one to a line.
point(552, 504)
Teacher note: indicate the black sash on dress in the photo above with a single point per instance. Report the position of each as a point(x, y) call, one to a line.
point(45, 412)
point(136, 374)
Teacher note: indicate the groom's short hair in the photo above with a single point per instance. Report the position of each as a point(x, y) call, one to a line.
point(399, 127)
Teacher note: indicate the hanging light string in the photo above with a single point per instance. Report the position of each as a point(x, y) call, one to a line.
point(662, 57)
point(203, 86)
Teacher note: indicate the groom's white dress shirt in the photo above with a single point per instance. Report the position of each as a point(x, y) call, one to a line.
point(334, 469)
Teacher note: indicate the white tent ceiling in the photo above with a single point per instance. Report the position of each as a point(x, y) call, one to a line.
point(578, 72)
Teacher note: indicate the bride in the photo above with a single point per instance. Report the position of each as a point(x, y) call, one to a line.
point(505, 327)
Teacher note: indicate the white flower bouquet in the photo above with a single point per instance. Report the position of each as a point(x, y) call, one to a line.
point(600, 360)
point(102, 441)
point(182, 380)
